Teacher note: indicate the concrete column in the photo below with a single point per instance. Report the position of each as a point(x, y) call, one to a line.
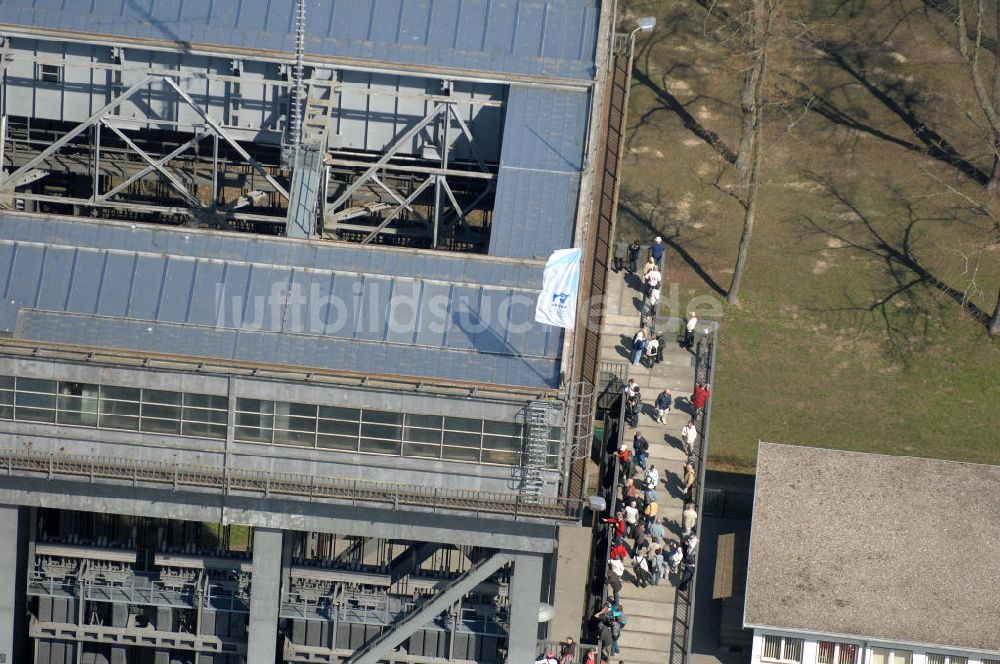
point(265, 596)
point(9, 576)
point(525, 591)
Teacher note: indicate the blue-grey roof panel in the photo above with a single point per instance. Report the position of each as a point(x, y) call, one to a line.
point(447, 266)
point(545, 38)
point(525, 198)
point(145, 299)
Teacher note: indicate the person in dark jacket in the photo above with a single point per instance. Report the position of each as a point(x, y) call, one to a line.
point(664, 400)
point(633, 256)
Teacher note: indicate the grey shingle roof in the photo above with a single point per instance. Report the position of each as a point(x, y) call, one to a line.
point(882, 547)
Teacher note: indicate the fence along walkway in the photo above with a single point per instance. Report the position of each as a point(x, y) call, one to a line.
point(648, 637)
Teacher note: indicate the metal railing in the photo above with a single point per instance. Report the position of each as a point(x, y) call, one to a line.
point(684, 607)
point(267, 484)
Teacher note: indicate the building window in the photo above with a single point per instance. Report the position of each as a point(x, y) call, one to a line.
point(50, 73)
point(936, 658)
point(113, 407)
point(386, 432)
point(890, 656)
point(831, 652)
point(782, 649)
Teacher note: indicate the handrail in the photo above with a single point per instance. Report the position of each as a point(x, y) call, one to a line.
point(704, 373)
point(268, 484)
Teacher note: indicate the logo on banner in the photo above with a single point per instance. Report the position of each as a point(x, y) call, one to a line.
point(560, 283)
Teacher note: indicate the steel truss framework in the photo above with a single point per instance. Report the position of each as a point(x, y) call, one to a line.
point(360, 198)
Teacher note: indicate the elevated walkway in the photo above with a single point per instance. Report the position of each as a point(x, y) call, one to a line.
point(648, 636)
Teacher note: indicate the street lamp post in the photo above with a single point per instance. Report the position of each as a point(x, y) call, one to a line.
point(645, 24)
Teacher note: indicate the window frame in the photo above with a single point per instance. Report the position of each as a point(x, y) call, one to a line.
point(783, 642)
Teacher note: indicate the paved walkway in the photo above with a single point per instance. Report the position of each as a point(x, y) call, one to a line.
point(646, 637)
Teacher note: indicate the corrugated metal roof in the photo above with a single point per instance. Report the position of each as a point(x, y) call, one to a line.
point(539, 179)
point(143, 290)
point(553, 38)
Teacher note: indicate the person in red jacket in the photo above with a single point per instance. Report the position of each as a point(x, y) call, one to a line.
point(618, 551)
point(617, 524)
point(700, 396)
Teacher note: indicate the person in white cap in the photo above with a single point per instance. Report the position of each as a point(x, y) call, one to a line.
point(657, 251)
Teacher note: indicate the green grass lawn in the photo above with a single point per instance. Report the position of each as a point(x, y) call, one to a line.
point(847, 215)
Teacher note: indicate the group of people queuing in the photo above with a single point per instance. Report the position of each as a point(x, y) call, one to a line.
point(640, 539)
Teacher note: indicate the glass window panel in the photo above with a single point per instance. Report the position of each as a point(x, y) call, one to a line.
point(425, 421)
point(382, 417)
point(338, 413)
point(848, 654)
point(78, 404)
point(294, 409)
point(772, 647)
point(6, 404)
point(554, 446)
point(208, 401)
point(502, 428)
point(253, 434)
point(295, 423)
point(422, 435)
point(349, 443)
point(205, 430)
point(555, 433)
point(36, 385)
point(793, 650)
point(78, 418)
point(552, 462)
point(380, 431)
point(32, 400)
point(254, 420)
point(155, 425)
point(255, 406)
point(35, 414)
point(73, 389)
point(6, 382)
point(162, 397)
point(955, 659)
point(128, 422)
point(463, 424)
point(161, 412)
point(934, 658)
point(463, 439)
point(904, 657)
point(380, 446)
point(502, 443)
point(120, 393)
point(111, 407)
point(294, 437)
point(417, 450)
point(505, 458)
point(824, 655)
point(991, 661)
point(205, 415)
point(338, 428)
point(460, 453)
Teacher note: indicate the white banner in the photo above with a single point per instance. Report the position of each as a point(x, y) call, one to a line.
point(560, 285)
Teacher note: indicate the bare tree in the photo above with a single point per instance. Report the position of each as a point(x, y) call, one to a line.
point(970, 44)
point(752, 103)
point(994, 327)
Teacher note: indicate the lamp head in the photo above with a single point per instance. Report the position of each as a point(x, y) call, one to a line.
point(646, 24)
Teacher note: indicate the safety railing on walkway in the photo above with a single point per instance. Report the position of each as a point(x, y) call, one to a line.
point(706, 339)
point(268, 484)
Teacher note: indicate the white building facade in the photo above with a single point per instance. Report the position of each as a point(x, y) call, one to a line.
point(772, 646)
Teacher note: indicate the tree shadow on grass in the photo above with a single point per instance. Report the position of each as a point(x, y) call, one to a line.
point(901, 98)
point(632, 204)
point(898, 306)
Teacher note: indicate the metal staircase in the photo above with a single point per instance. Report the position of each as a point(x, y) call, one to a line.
point(536, 449)
point(319, 106)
